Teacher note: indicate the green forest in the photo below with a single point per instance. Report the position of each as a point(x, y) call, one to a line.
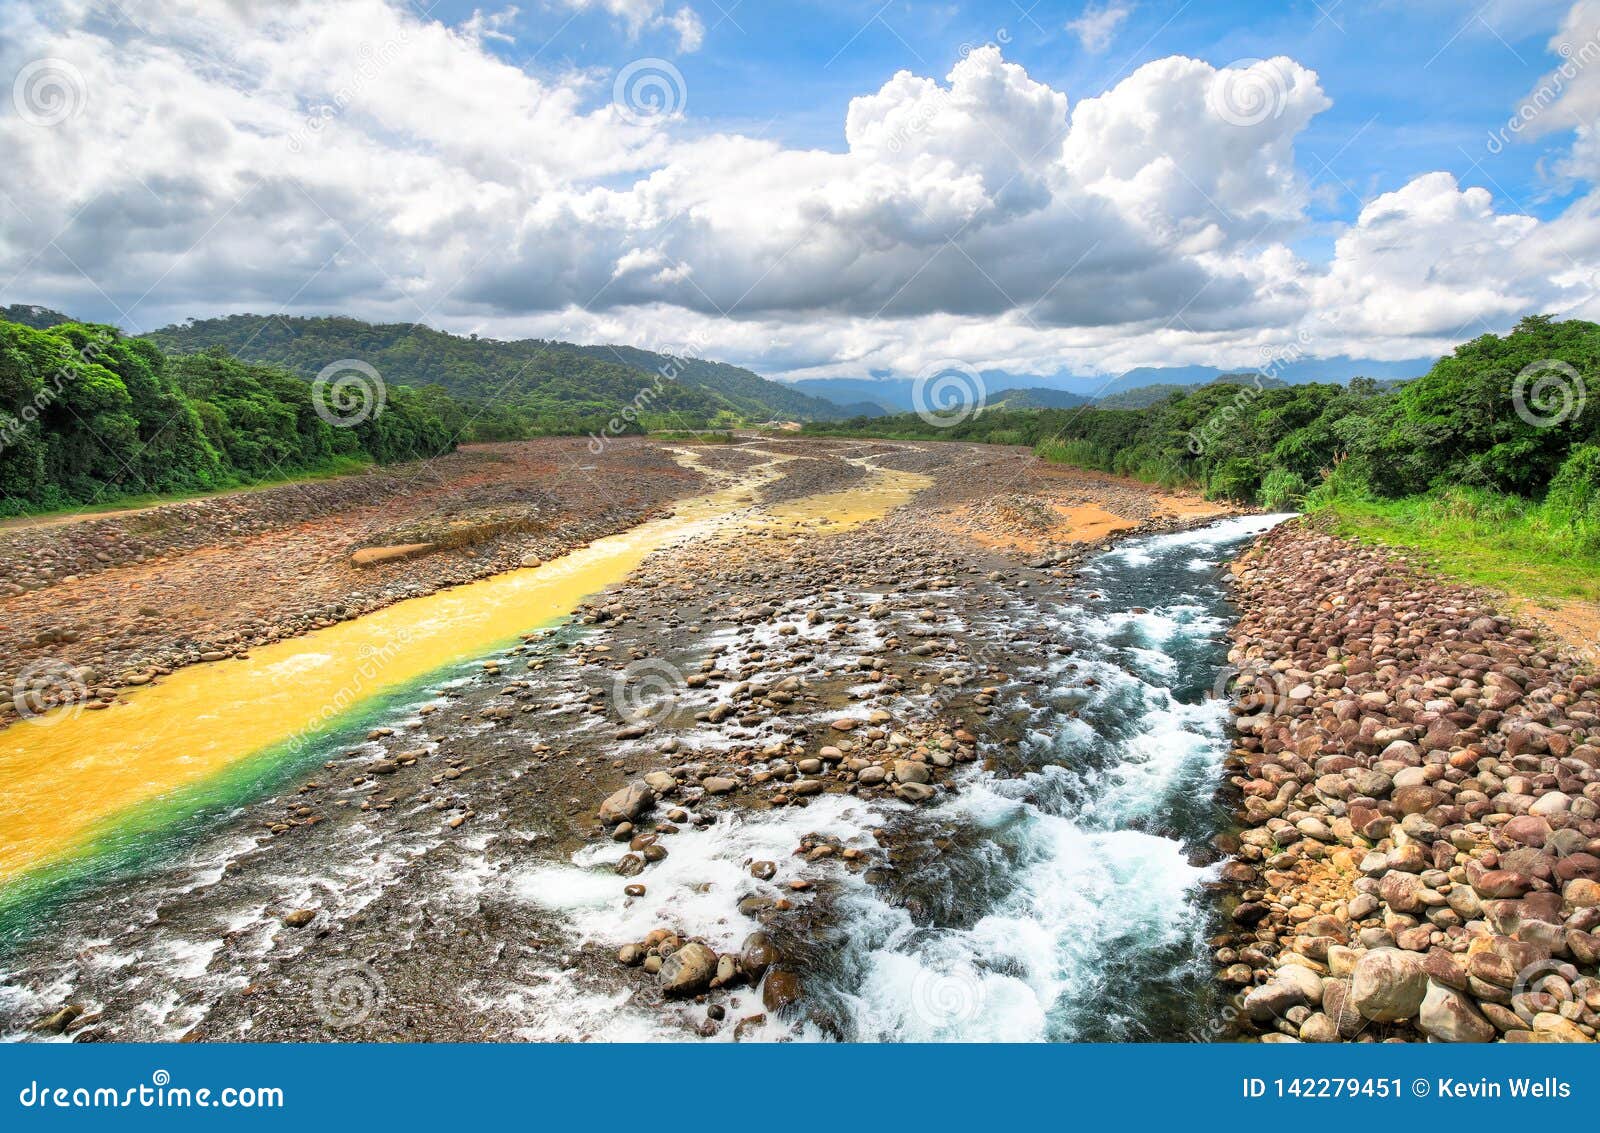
point(531, 387)
point(1491, 448)
point(89, 416)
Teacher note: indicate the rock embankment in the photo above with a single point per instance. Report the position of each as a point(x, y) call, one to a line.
point(1418, 785)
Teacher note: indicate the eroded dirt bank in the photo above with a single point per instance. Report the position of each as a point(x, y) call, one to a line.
point(561, 841)
point(92, 604)
point(1419, 786)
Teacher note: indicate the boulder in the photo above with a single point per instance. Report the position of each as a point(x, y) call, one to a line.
point(1450, 1017)
point(628, 804)
point(1388, 985)
point(689, 970)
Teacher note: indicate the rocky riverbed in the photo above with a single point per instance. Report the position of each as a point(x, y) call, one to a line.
point(658, 819)
point(1418, 786)
point(93, 604)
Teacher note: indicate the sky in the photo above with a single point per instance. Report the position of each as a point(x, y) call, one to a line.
point(817, 190)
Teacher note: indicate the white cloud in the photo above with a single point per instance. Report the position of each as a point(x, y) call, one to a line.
point(1098, 25)
point(357, 158)
point(637, 16)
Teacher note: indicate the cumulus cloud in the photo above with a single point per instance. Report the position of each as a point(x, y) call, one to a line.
point(1098, 25)
point(360, 158)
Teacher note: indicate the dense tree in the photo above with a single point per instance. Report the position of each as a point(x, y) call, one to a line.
point(87, 415)
point(1504, 413)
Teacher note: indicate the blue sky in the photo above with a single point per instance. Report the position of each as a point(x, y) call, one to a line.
point(1416, 85)
point(1044, 189)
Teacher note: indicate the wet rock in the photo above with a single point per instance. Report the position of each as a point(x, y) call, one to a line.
point(628, 804)
point(688, 970)
point(780, 989)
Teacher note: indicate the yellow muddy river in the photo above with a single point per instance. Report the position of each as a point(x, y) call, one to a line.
point(70, 774)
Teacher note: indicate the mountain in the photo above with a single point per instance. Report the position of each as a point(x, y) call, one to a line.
point(1142, 397)
point(895, 394)
point(33, 315)
point(536, 385)
point(749, 392)
point(1036, 398)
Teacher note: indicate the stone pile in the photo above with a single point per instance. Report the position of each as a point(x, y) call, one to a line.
point(1418, 783)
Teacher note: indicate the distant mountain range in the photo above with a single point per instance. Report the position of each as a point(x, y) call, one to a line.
point(1134, 389)
point(548, 376)
point(542, 376)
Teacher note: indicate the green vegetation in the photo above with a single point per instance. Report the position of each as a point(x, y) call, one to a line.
point(1487, 463)
point(88, 416)
point(532, 387)
point(1490, 538)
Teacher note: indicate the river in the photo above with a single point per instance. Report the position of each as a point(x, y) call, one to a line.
point(1058, 895)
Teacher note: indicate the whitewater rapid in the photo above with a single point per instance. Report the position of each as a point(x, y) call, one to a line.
point(1060, 895)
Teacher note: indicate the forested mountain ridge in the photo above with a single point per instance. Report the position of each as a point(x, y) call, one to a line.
point(747, 391)
point(522, 387)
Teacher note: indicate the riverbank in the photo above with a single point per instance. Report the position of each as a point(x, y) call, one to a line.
point(778, 704)
point(109, 602)
point(1418, 785)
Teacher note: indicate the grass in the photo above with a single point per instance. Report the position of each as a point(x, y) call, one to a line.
point(1492, 540)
